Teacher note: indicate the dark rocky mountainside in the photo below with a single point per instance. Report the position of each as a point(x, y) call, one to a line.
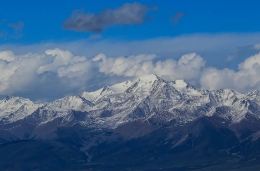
point(145, 124)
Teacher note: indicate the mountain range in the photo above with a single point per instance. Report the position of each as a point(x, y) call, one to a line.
point(144, 124)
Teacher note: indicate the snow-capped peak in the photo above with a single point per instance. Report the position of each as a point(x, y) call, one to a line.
point(253, 93)
point(121, 87)
point(113, 89)
point(15, 108)
point(146, 97)
point(147, 78)
point(143, 85)
point(179, 84)
point(9, 97)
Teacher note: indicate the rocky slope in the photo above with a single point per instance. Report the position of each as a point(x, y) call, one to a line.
point(148, 98)
point(144, 124)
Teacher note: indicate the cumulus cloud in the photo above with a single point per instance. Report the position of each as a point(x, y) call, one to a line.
point(188, 67)
point(244, 80)
point(127, 66)
point(18, 72)
point(128, 14)
point(60, 62)
point(15, 72)
point(62, 72)
point(257, 46)
point(7, 56)
point(66, 64)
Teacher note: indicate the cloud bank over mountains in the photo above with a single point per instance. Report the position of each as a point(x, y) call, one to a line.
point(244, 80)
point(188, 67)
point(61, 71)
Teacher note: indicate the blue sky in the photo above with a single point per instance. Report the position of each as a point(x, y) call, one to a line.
point(50, 49)
point(43, 19)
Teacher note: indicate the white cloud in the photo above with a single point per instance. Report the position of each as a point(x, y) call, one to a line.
point(213, 47)
point(250, 62)
point(7, 56)
point(61, 71)
point(212, 78)
point(244, 80)
point(77, 69)
point(127, 66)
point(188, 67)
point(257, 46)
point(18, 72)
point(60, 59)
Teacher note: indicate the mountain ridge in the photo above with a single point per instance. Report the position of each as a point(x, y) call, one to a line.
point(145, 124)
point(120, 99)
